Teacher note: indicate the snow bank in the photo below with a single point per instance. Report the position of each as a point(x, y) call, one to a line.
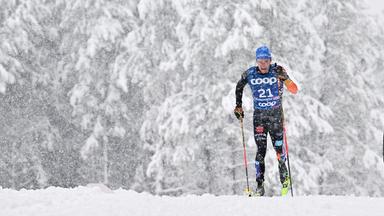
point(98, 201)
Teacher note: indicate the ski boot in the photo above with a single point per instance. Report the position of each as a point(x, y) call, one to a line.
point(260, 189)
point(286, 186)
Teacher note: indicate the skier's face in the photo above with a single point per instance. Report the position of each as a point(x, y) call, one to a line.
point(263, 65)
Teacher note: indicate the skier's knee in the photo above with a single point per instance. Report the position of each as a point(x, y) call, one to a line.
point(281, 157)
point(278, 144)
point(260, 135)
point(280, 151)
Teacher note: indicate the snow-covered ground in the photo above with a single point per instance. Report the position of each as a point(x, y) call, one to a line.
point(97, 201)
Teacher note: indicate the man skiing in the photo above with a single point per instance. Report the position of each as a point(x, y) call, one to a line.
point(266, 82)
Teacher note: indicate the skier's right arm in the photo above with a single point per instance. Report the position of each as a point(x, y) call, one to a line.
point(239, 95)
point(239, 89)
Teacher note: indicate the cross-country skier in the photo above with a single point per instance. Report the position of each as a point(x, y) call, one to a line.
point(266, 83)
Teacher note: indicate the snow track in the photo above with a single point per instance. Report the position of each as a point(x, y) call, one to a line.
point(100, 201)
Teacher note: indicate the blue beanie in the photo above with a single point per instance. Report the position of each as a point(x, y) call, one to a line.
point(263, 53)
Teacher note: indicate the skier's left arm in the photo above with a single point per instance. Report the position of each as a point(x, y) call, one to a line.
point(283, 76)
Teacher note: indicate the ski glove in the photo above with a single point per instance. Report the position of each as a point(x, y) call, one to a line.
point(239, 112)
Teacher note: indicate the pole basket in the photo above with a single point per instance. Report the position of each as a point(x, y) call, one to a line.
point(248, 192)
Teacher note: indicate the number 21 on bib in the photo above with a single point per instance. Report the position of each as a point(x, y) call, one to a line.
point(266, 93)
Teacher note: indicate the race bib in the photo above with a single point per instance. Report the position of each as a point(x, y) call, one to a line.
point(265, 90)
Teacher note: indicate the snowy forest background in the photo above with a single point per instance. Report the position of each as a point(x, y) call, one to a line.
point(139, 94)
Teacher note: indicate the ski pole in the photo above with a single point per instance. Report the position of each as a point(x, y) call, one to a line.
point(245, 156)
point(289, 167)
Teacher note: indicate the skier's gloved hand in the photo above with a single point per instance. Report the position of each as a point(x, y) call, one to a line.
point(239, 112)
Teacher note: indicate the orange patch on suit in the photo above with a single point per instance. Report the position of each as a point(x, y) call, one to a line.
point(291, 86)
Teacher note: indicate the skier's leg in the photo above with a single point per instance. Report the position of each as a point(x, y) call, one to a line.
point(276, 132)
point(260, 135)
